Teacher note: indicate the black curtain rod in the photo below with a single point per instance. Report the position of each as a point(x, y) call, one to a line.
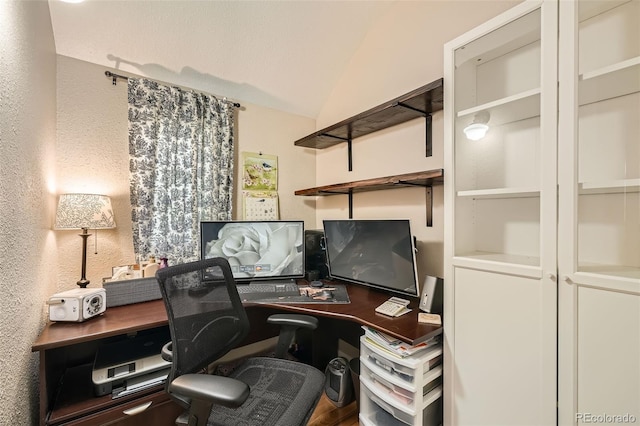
point(117, 76)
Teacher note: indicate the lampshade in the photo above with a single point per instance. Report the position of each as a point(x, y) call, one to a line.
point(77, 211)
point(478, 128)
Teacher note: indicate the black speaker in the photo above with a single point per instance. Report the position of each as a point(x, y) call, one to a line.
point(315, 262)
point(338, 385)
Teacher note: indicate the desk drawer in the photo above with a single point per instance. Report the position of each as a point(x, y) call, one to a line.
point(375, 411)
point(399, 392)
point(155, 409)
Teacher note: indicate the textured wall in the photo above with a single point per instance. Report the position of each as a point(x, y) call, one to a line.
point(27, 160)
point(92, 157)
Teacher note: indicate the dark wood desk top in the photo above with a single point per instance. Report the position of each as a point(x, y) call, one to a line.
point(141, 316)
point(361, 310)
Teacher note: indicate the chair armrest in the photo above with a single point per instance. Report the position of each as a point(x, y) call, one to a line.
point(218, 390)
point(167, 353)
point(289, 323)
point(305, 321)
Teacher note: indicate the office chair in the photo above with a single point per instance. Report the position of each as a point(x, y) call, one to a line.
point(206, 320)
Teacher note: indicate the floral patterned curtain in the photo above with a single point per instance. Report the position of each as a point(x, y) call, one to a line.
point(181, 167)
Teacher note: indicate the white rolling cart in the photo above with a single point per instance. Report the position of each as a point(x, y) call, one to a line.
point(400, 391)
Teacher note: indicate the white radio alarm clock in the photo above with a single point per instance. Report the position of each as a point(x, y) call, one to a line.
point(77, 305)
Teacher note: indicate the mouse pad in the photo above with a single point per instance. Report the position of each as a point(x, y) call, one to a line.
point(313, 295)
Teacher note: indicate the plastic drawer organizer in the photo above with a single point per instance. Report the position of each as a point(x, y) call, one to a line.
point(400, 390)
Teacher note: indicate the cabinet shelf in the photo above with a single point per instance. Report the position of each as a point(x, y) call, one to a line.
point(512, 264)
point(610, 187)
point(509, 109)
point(590, 9)
point(421, 102)
point(500, 193)
point(612, 272)
point(619, 79)
point(502, 41)
point(426, 179)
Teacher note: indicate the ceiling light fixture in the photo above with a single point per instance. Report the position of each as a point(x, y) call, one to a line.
point(478, 127)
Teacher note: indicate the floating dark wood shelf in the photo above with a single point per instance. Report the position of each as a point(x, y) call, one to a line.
point(418, 103)
point(426, 178)
point(421, 102)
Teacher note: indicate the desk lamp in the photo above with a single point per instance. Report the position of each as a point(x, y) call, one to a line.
point(84, 211)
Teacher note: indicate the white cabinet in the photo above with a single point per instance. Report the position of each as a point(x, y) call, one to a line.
point(599, 215)
point(500, 212)
point(542, 234)
point(400, 391)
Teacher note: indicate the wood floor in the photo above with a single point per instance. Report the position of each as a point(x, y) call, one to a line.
point(327, 414)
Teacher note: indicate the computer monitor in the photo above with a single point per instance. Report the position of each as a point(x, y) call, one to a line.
point(256, 250)
point(376, 253)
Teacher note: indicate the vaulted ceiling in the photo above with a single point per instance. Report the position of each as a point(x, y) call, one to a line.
point(286, 55)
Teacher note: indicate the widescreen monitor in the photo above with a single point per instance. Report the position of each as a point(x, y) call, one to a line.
point(376, 253)
point(256, 250)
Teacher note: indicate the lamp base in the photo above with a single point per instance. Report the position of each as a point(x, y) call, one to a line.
point(83, 282)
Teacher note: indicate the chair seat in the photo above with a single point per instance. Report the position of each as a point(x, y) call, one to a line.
point(281, 392)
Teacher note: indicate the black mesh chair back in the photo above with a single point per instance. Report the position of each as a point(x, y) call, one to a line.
point(207, 319)
point(206, 316)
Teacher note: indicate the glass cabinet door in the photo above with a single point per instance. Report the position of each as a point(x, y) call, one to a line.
point(504, 145)
point(608, 138)
point(599, 211)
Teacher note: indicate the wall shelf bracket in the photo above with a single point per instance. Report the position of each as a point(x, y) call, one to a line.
point(428, 191)
point(350, 204)
point(428, 136)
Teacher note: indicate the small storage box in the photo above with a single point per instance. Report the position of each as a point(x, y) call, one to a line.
point(381, 413)
point(401, 393)
point(125, 292)
point(404, 369)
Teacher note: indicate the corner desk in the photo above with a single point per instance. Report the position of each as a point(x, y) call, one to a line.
point(67, 350)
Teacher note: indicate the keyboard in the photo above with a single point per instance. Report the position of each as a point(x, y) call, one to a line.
point(268, 289)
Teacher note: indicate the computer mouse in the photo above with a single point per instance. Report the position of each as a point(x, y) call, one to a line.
point(316, 284)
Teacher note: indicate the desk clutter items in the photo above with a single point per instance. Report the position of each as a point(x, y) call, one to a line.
point(394, 307)
point(397, 347)
point(77, 305)
point(331, 293)
point(125, 292)
point(425, 318)
point(133, 283)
